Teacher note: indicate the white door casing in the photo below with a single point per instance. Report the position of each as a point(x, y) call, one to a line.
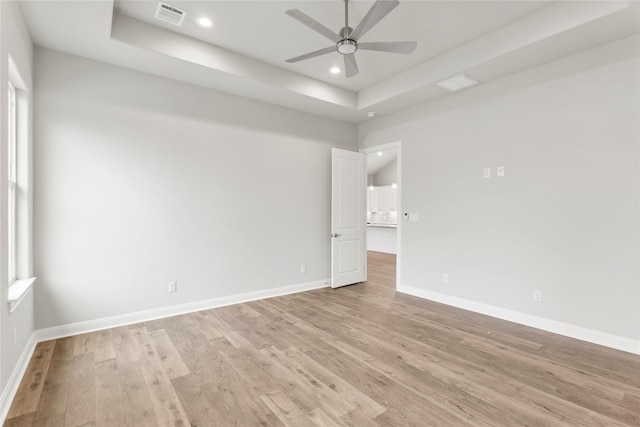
point(348, 218)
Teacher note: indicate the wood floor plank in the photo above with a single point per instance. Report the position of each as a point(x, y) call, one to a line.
point(399, 399)
point(81, 403)
point(200, 411)
point(103, 346)
point(210, 395)
point(264, 331)
point(137, 405)
point(346, 392)
point(30, 389)
point(361, 356)
point(64, 348)
point(229, 332)
point(320, 418)
point(84, 343)
point(563, 382)
point(255, 374)
point(185, 331)
point(54, 400)
point(205, 365)
point(317, 392)
point(377, 360)
point(261, 365)
point(124, 347)
point(406, 367)
point(597, 392)
point(21, 421)
point(56, 389)
point(208, 329)
point(167, 406)
point(52, 421)
point(109, 398)
point(286, 410)
point(171, 359)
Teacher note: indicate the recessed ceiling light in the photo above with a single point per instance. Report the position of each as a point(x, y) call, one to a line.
point(379, 153)
point(205, 22)
point(334, 70)
point(371, 114)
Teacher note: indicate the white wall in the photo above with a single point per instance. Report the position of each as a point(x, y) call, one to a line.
point(143, 180)
point(14, 42)
point(565, 218)
point(382, 239)
point(386, 175)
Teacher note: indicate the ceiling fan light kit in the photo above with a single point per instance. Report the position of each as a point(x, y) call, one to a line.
point(347, 47)
point(346, 40)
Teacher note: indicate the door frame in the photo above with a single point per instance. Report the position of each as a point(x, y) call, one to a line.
point(398, 146)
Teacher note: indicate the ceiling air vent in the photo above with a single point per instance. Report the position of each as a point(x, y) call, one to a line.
point(458, 82)
point(171, 14)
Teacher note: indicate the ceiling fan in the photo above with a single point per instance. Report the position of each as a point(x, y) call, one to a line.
point(346, 40)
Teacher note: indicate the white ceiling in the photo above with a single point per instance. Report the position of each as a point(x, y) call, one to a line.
point(245, 52)
point(261, 30)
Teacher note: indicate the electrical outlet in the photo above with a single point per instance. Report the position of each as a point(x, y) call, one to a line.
point(173, 287)
point(445, 278)
point(537, 295)
point(303, 268)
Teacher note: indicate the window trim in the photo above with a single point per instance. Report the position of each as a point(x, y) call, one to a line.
point(12, 187)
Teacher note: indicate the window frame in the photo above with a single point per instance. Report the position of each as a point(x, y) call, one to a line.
point(12, 186)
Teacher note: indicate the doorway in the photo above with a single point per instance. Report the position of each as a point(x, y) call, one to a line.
point(384, 201)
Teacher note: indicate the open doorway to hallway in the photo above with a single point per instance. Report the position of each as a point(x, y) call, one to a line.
point(383, 207)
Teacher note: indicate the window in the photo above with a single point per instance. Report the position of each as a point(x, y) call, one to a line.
point(12, 186)
point(19, 233)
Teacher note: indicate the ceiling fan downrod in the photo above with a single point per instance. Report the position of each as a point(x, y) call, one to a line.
point(346, 46)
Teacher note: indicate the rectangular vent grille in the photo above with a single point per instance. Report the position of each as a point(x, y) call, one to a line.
point(171, 14)
point(458, 82)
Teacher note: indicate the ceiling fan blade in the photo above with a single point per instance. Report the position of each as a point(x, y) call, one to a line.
point(313, 24)
point(379, 10)
point(312, 54)
point(350, 65)
point(394, 47)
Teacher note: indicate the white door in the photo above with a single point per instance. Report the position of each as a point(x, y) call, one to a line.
point(348, 218)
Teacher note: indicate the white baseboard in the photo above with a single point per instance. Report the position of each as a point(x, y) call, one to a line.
point(174, 310)
point(584, 334)
point(11, 389)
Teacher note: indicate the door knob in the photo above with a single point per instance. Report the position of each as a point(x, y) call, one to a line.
point(336, 235)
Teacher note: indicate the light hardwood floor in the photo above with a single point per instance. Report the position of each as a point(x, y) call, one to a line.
point(356, 356)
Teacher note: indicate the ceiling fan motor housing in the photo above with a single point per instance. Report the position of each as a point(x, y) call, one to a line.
point(347, 46)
